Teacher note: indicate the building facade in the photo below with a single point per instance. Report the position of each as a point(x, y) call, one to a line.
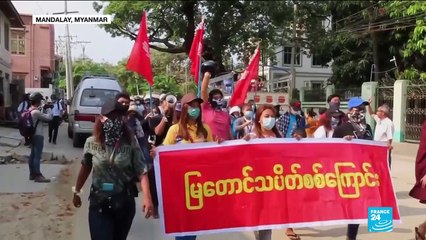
point(309, 72)
point(33, 54)
point(9, 18)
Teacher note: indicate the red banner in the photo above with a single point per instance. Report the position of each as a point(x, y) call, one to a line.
point(271, 183)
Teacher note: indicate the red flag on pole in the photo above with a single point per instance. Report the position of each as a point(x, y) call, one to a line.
point(140, 57)
point(197, 48)
point(243, 85)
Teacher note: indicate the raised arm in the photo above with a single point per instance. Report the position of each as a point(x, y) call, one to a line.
point(205, 87)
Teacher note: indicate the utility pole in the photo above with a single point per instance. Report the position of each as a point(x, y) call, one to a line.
point(68, 59)
point(83, 47)
point(293, 55)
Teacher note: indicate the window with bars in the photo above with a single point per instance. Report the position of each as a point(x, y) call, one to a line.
point(287, 56)
point(18, 43)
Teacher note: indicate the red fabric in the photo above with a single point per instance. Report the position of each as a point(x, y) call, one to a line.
point(197, 49)
point(140, 57)
point(418, 192)
point(240, 186)
point(243, 85)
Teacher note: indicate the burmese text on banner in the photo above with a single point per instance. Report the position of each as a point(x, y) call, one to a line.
point(271, 183)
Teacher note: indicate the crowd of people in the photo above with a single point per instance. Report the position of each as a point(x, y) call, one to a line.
point(120, 153)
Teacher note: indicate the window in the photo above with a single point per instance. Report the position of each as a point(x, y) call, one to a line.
point(96, 97)
point(287, 56)
point(6, 36)
point(18, 43)
point(316, 60)
point(316, 85)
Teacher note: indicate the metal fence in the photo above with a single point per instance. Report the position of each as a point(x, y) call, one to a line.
point(416, 112)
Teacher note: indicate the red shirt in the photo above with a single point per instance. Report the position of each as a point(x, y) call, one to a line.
point(219, 121)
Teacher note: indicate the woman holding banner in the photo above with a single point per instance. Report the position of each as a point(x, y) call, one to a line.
point(264, 127)
point(189, 129)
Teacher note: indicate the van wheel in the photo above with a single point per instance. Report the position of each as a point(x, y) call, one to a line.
point(76, 140)
point(70, 134)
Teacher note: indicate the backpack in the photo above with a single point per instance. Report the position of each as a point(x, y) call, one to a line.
point(25, 124)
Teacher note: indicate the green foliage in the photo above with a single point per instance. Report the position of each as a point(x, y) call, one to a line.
point(83, 67)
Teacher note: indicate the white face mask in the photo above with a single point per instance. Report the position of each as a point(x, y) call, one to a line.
point(268, 123)
point(297, 113)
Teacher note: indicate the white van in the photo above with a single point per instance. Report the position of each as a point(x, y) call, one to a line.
point(86, 103)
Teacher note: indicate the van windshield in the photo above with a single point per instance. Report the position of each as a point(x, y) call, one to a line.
point(96, 97)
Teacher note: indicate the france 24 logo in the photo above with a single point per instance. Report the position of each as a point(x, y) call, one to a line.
point(380, 219)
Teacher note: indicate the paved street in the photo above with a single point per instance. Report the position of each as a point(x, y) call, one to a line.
point(403, 176)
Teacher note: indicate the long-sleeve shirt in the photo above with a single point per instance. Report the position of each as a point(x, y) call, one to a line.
point(41, 117)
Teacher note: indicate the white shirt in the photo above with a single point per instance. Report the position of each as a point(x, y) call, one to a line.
point(57, 109)
point(321, 132)
point(384, 129)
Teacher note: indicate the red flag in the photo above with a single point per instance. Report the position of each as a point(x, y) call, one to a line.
point(243, 85)
point(196, 51)
point(140, 57)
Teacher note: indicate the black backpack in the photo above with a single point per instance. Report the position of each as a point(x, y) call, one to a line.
point(25, 124)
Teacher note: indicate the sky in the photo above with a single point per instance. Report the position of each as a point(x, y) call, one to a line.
point(102, 47)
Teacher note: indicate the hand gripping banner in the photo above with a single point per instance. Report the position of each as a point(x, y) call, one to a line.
point(271, 183)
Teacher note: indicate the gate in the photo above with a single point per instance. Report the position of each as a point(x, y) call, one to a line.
point(416, 110)
point(384, 94)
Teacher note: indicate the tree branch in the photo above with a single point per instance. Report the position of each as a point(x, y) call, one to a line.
point(168, 50)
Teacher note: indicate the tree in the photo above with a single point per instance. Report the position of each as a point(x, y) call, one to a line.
point(232, 27)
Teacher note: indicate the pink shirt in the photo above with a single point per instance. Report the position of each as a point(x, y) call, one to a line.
point(218, 121)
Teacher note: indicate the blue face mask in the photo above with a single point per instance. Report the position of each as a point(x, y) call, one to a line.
point(248, 115)
point(194, 112)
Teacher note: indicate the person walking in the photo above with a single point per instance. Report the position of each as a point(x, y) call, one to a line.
point(39, 116)
point(384, 126)
point(57, 111)
point(189, 129)
point(116, 160)
point(419, 189)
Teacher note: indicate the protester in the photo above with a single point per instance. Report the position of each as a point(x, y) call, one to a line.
point(244, 124)
point(356, 127)
point(39, 116)
point(115, 159)
point(124, 99)
point(57, 112)
point(334, 106)
point(213, 115)
point(135, 126)
point(312, 122)
point(419, 189)
point(159, 124)
point(235, 113)
point(177, 112)
point(291, 120)
point(324, 129)
point(190, 129)
point(23, 106)
point(139, 105)
point(264, 127)
point(384, 126)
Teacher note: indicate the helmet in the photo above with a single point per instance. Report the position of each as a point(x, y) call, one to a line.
point(209, 66)
point(36, 96)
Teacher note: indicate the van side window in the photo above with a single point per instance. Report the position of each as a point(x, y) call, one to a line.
point(92, 97)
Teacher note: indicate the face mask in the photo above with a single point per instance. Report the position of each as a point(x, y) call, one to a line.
point(155, 114)
point(294, 112)
point(282, 112)
point(357, 117)
point(193, 112)
point(137, 102)
point(334, 122)
point(217, 103)
point(248, 115)
point(113, 131)
point(268, 123)
point(334, 106)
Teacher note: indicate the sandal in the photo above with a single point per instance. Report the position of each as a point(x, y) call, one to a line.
point(419, 236)
point(296, 237)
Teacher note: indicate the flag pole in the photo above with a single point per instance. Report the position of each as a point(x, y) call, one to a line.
point(200, 76)
point(151, 102)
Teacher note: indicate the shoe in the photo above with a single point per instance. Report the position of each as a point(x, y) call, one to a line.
point(41, 179)
point(32, 177)
point(54, 142)
point(50, 140)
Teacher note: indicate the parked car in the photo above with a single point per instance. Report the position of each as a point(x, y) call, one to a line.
point(86, 104)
